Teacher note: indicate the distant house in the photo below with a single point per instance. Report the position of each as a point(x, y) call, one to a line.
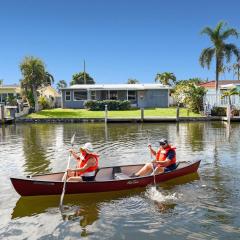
point(210, 97)
point(53, 97)
point(7, 91)
point(140, 95)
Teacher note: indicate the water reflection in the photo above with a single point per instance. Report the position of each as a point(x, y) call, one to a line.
point(185, 207)
point(84, 208)
point(36, 141)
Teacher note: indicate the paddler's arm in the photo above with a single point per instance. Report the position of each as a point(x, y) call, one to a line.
point(151, 150)
point(75, 155)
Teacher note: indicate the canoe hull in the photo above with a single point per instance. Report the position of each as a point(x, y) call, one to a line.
point(33, 186)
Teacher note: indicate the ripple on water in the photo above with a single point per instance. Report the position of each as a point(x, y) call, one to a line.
point(204, 207)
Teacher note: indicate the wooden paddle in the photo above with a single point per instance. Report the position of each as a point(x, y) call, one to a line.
point(152, 163)
point(65, 174)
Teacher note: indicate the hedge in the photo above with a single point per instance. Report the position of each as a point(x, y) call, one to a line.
point(94, 105)
point(219, 111)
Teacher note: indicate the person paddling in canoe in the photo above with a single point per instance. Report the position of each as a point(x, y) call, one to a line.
point(165, 160)
point(87, 164)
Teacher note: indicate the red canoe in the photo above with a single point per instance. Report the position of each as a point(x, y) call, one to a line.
point(107, 179)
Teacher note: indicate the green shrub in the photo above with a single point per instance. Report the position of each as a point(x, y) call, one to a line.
point(94, 105)
point(12, 100)
point(43, 102)
point(219, 111)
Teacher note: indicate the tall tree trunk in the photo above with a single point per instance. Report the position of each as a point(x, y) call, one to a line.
point(35, 98)
point(217, 76)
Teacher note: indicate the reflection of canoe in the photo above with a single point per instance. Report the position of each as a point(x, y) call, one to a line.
point(107, 179)
point(29, 206)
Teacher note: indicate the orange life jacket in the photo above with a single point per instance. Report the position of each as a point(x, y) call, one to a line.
point(162, 154)
point(84, 160)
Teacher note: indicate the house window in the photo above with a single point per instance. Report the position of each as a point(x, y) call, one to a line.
point(3, 97)
point(113, 95)
point(93, 95)
point(80, 95)
point(68, 96)
point(132, 95)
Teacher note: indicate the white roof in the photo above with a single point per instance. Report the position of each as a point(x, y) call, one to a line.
point(231, 85)
point(119, 86)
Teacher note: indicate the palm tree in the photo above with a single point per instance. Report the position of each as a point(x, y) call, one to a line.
point(34, 76)
point(1, 82)
point(220, 50)
point(49, 79)
point(166, 78)
point(236, 69)
point(132, 81)
point(229, 93)
point(61, 84)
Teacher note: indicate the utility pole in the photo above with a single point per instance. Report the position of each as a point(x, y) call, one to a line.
point(84, 72)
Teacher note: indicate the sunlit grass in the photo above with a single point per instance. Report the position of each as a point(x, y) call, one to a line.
point(83, 113)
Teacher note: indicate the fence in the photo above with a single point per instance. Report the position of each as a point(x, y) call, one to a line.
point(210, 101)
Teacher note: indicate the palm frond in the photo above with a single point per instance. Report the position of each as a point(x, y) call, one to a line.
point(229, 32)
point(230, 49)
point(208, 31)
point(219, 27)
point(206, 57)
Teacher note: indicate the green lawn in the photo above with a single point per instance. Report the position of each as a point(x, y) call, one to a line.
point(83, 113)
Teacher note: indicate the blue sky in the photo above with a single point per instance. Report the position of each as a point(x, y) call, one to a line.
point(118, 39)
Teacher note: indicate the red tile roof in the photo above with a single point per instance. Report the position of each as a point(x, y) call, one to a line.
point(211, 84)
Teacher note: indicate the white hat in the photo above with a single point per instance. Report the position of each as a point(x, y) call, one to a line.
point(87, 147)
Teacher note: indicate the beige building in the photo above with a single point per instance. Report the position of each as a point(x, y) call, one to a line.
point(53, 97)
point(8, 90)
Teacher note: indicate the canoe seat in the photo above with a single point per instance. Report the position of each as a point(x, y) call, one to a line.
point(117, 173)
point(120, 176)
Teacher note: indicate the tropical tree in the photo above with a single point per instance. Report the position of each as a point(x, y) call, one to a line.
point(1, 81)
point(49, 79)
point(190, 95)
point(79, 78)
point(220, 49)
point(61, 84)
point(132, 81)
point(196, 80)
point(166, 78)
point(232, 91)
point(236, 68)
point(34, 77)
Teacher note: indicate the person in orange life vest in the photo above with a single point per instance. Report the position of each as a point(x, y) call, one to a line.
point(165, 160)
point(87, 164)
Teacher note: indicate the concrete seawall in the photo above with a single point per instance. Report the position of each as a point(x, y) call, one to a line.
point(119, 120)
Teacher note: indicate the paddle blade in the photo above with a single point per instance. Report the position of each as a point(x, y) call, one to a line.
point(73, 138)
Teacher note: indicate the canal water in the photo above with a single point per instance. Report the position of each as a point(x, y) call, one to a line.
point(204, 205)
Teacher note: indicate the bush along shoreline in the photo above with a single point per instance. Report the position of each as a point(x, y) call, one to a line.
point(94, 105)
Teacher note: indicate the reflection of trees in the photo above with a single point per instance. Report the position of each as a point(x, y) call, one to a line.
point(3, 133)
point(36, 140)
point(219, 176)
point(196, 135)
point(7, 130)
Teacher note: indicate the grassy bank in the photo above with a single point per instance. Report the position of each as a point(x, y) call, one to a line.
point(83, 113)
